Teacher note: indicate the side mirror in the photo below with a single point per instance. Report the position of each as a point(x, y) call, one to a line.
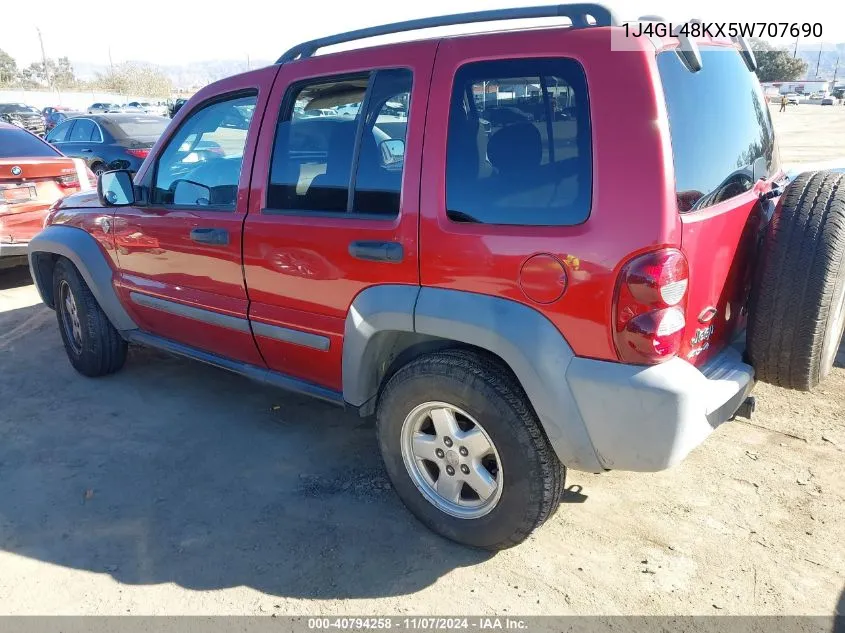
point(115, 189)
point(392, 151)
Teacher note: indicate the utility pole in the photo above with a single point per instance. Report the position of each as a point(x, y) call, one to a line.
point(835, 71)
point(111, 64)
point(247, 61)
point(819, 61)
point(44, 59)
point(795, 52)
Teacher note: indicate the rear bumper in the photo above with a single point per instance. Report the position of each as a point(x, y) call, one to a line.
point(650, 418)
point(16, 249)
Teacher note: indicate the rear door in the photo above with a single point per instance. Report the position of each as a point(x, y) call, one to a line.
point(334, 206)
point(179, 251)
point(725, 155)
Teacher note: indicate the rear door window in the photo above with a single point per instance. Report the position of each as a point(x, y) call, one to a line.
point(519, 149)
point(82, 131)
point(341, 147)
point(721, 129)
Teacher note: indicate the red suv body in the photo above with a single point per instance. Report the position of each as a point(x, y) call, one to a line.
point(579, 219)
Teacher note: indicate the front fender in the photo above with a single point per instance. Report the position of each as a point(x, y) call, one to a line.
point(82, 250)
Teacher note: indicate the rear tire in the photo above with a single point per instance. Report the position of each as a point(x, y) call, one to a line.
point(482, 393)
point(797, 308)
point(94, 347)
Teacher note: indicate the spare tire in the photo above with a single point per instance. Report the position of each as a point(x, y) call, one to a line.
point(797, 303)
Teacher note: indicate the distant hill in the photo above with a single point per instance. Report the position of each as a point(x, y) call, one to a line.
point(187, 76)
point(826, 64)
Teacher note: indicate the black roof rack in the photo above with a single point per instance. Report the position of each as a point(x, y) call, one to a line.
point(578, 13)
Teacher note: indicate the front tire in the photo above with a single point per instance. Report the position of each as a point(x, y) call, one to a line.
point(94, 347)
point(465, 452)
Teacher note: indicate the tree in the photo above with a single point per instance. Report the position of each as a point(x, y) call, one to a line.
point(776, 64)
point(8, 68)
point(131, 78)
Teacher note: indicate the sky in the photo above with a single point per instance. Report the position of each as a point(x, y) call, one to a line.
point(173, 32)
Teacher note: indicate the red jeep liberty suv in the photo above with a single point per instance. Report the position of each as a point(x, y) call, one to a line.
point(523, 251)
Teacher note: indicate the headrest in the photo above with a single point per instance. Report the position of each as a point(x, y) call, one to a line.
point(514, 147)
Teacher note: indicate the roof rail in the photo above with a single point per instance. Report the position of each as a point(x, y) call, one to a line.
point(576, 12)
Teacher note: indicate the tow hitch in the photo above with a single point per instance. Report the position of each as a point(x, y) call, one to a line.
point(746, 408)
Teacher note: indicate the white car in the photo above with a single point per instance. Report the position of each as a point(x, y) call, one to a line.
point(103, 108)
point(793, 98)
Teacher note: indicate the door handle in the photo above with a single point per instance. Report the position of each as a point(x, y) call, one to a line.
point(377, 251)
point(85, 150)
point(215, 237)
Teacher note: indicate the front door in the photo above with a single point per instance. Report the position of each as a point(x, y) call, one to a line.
point(180, 252)
point(338, 170)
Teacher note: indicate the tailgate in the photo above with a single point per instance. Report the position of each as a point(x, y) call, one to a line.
point(724, 155)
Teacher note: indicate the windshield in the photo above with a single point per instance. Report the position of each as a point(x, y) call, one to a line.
point(147, 127)
point(17, 143)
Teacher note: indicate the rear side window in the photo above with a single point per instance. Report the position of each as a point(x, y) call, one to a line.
point(721, 129)
point(143, 127)
point(15, 143)
point(341, 146)
point(519, 149)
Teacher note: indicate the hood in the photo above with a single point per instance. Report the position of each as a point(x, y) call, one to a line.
point(82, 200)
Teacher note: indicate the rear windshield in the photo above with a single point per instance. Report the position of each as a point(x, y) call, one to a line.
point(141, 127)
point(722, 136)
point(15, 143)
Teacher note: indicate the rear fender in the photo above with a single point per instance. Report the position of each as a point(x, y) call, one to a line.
point(384, 321)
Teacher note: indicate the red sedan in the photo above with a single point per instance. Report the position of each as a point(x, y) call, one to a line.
point(33, 175)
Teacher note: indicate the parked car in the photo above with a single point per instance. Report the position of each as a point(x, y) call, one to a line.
point(103, 108)
point(828, 101)
point(792, 99)
point(177, 105)
point(145, 107)
point(23, 116)
point(594, 293)
point(53, 119)
point(33, 176)
point(46, 112)
point(108, 141)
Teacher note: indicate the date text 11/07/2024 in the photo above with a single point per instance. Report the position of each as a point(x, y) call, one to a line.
point(417, 623)
point(724, 29)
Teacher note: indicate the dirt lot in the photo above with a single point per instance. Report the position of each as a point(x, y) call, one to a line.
point(175, 488)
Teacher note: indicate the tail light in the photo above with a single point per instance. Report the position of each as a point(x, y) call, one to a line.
point(68, 181)
point(139, 153)
point(650, 307)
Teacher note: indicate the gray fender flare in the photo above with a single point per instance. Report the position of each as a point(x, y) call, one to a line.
point(523, 338)
point(83, 251)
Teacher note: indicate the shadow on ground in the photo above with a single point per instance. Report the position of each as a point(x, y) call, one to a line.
point(171, 471)
point(14, 278)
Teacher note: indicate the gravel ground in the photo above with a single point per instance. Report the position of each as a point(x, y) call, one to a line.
point(176, 488)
